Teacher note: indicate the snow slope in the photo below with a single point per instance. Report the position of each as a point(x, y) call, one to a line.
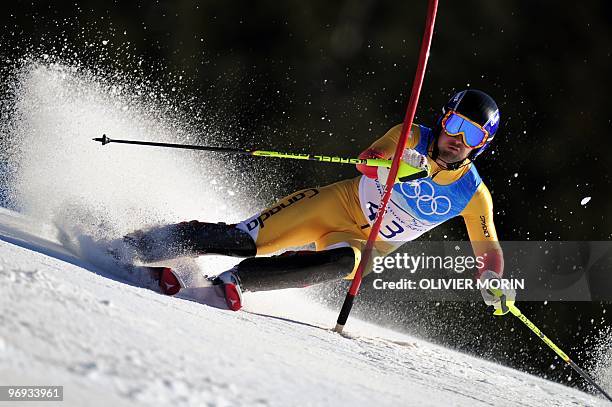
point(64, 322)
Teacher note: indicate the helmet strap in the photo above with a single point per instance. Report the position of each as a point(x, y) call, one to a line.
point(451, 166)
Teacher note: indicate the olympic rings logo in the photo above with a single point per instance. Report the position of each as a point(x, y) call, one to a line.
point(426, 201)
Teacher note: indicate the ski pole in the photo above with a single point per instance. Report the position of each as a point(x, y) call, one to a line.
point(509, 306)
point(404, 174)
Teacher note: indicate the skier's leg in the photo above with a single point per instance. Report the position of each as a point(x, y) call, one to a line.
point(295, 269)
point(307, 216)
point(337, 257)
point(296, 220)
point(192, 238)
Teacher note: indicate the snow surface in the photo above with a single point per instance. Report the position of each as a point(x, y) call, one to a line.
point(65, 322)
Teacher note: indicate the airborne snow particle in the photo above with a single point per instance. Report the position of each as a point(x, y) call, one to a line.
point(104, 42)
point(585, 200)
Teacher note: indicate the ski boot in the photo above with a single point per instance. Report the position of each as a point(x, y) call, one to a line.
point(231, 288)
point(169, 284)
point(156, 278)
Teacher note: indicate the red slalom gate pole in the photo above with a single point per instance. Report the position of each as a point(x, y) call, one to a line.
point(432, 8)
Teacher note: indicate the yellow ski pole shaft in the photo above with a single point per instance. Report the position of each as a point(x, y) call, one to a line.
point(517, 313)
point(405, 173)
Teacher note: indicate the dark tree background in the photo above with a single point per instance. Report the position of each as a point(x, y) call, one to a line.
point(331, 77)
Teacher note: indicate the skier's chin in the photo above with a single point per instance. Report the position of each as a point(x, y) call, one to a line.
point(451, 157)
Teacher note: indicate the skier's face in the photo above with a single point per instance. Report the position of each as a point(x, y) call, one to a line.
point(451, 148)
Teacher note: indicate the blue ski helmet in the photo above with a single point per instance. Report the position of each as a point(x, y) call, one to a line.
point(478, 107)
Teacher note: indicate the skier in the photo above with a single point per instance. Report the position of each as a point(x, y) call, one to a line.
point(337, 217)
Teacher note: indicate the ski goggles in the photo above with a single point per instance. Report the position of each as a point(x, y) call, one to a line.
point(473, 134)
